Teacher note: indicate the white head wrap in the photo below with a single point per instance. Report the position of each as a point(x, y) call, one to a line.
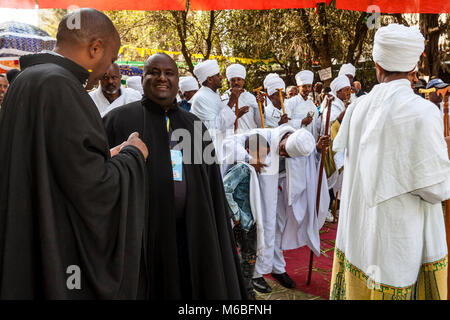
point(206, 69)
point(338, 83)
point(272, 82)
point(300, 143)
point(398, 48)
point(188, 83)
point(236, 71)
point(347, 68)
point(304, 77)
point(135, 82)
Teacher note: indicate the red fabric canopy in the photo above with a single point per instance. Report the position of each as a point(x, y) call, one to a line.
point(254, 4)
point(397, 6)
point(148, 5)
point(386, 6)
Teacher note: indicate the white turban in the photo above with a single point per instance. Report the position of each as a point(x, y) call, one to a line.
point(135, 82)
point(236, 71)
point(338, 83)
point(188, 83)
point(347, 68)
point(398, 48)
point(304, 77)
point(272, 82)
point(206, 69)
point(300, 143)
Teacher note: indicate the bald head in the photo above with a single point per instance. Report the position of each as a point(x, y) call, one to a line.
point(357, 85)
point(84, 25)
point(89, 38)
point(160, 57)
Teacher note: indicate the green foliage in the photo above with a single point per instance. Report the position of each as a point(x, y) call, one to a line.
point(295, 38)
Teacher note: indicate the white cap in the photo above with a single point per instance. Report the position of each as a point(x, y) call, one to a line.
point(338, 83)
point(135, 82)
point(188, 83)
point(300, 143)
point(272, 82)
point(304, 77)
point(206, 69)
point(347, 68)
point(397, 47)
point(236, 71)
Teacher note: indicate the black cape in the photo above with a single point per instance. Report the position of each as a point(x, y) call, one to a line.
point(63, 201)
point(212, 264)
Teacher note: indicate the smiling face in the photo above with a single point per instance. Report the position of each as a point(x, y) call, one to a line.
point(160, 79)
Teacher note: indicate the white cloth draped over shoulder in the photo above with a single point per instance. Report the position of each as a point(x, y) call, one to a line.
point(127, 95)
point(397, 172)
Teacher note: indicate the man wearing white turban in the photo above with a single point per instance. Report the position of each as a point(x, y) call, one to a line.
point(207, 105)
point(273, 112)
point(188, 87)
point(236, 78)
point(391, 241)
point(349, 70)
point(288, 217)
point(135, 82)
point(302, 110)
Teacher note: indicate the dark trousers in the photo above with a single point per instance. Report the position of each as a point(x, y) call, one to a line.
point(246, 242)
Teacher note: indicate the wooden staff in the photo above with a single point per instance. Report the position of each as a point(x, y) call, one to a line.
point(445, 94)
point(280, 91)
point(236, 111)
point(257, 90)
point(319, 185)
point(427, 92)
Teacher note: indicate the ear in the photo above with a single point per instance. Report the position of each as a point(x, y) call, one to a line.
point(96, 48)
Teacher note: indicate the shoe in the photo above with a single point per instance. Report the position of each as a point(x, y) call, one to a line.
point(284, 280)
point(260, 285)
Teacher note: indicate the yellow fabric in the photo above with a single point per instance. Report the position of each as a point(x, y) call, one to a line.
point(330, 166)
point(350, 283)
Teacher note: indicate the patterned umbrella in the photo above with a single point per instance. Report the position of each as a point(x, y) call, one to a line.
point(17, 39)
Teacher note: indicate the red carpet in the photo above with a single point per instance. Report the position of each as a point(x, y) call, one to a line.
point(297, 262)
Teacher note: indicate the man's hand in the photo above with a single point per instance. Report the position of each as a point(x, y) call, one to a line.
point(258, 166)
point(324, 142)
point(236, 92)
point(284, 119)
point(234, 96)
point(242, 111)
point(306, 121)
point(134, 140)
point(114, 151)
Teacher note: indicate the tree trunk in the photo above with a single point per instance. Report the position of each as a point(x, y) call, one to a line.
point(180, 19)
point(429, 26)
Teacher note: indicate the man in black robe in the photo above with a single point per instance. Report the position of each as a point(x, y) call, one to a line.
point(191, 249)
point(71, 216)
